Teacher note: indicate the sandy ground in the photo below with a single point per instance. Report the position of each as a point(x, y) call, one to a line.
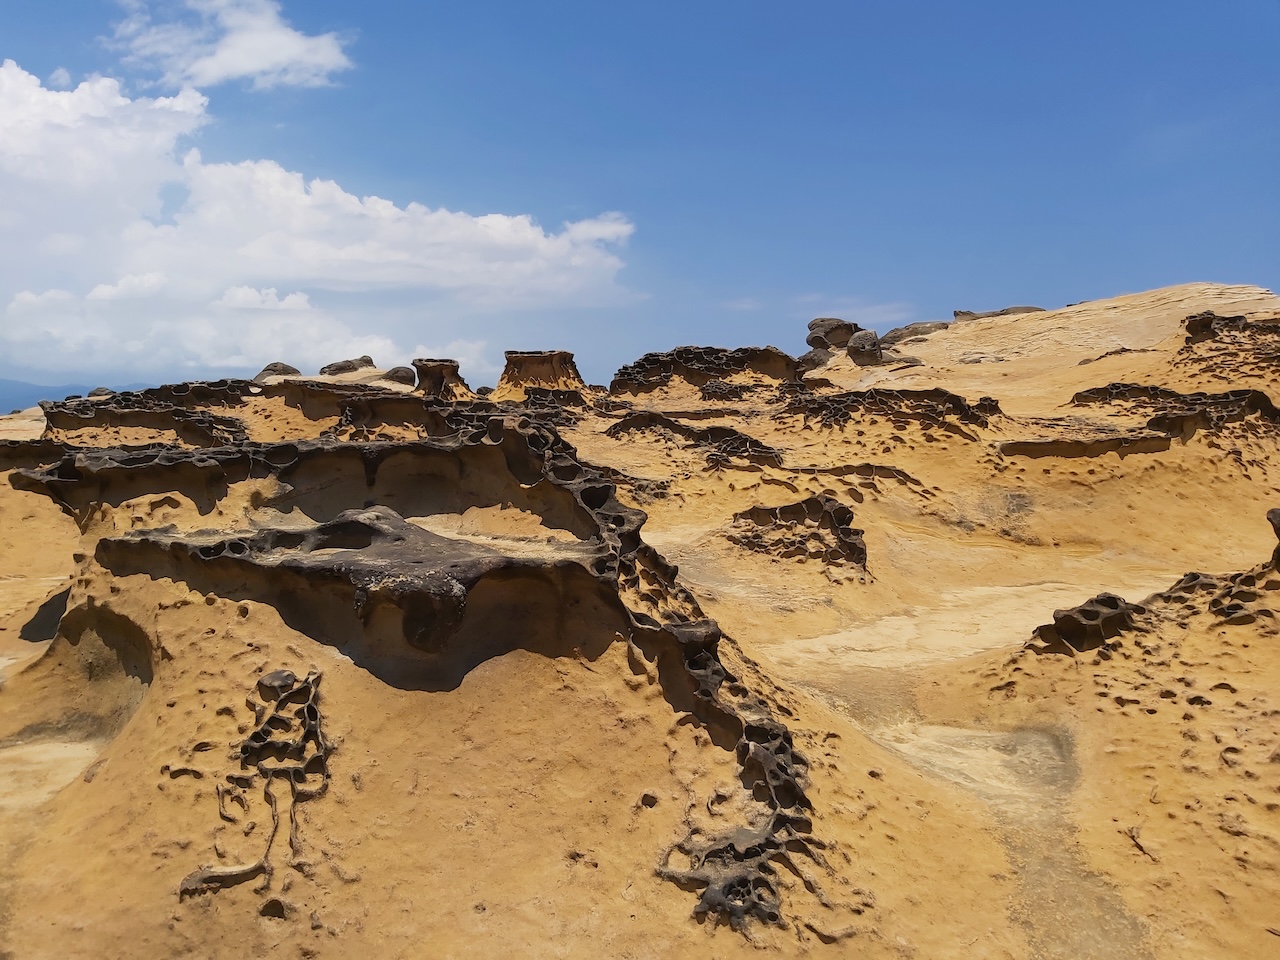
point(973, 798)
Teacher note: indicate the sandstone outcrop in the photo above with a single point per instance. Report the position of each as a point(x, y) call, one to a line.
point(911, 331)
point(729, 661)
point(830, 333)
point(276, 369)
point(699, 365)
point(864, 348)
point(340, 367)
point(962, 315)
point(402, 375)
point(547, 370)
point(440, 380)
point(817, 528)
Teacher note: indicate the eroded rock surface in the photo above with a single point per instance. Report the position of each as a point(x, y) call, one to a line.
point(346, 366)
point(817, 528)
point(961, 315)
point(417, 608)
point(927, 408)
point(530, 370)
point(698, 365)
point(440, 380)
point(722, 444)
point(277, 369)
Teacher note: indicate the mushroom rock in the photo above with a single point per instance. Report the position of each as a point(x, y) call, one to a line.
point(276, 369)
point(346, 366)
point(537, 369)
point(440, 380)
point(830, 333)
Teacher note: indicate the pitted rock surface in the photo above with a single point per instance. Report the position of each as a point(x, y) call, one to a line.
point(1227, 347)
point(933, 408)
point(816, 528)
point(373, 564)
point(287, 744)
point(697, 365)
point(1183, 413)
point(1088, 626)
point(440, 380)
point(722, 444)
point(157, 409)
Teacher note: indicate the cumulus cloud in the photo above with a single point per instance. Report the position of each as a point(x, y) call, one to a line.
point(96, 280)
point(130, 285)
point(92, 136)
point(208, 42)
point(248, 298)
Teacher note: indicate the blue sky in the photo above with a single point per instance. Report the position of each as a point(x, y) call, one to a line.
point(731, 169)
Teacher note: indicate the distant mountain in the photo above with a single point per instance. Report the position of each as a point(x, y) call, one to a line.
point(18, 395)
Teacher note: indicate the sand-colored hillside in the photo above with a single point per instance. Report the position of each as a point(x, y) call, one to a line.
point(748, 654)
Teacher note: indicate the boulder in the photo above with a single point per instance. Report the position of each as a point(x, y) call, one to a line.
point(403, 375)
point(346, 366)
point(276, 369)
point(830, 333)
point(864, 348)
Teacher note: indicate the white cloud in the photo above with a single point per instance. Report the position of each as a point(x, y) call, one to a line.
point(81, 177)
point(248, 298)
point(27, 302)
point(60, 79)
point(93, 135)
point(208, 42)
point(130, 285)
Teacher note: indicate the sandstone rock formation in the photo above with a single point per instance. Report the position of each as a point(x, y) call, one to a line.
point(403, 375)
point(346, 366)
point(276, 369)
point(961, 315)
point(830, 333)
point(440, 380)
point(864, 348)
point(725, 661)
point(699, 365)
point(911, 331)
point(530, 370)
